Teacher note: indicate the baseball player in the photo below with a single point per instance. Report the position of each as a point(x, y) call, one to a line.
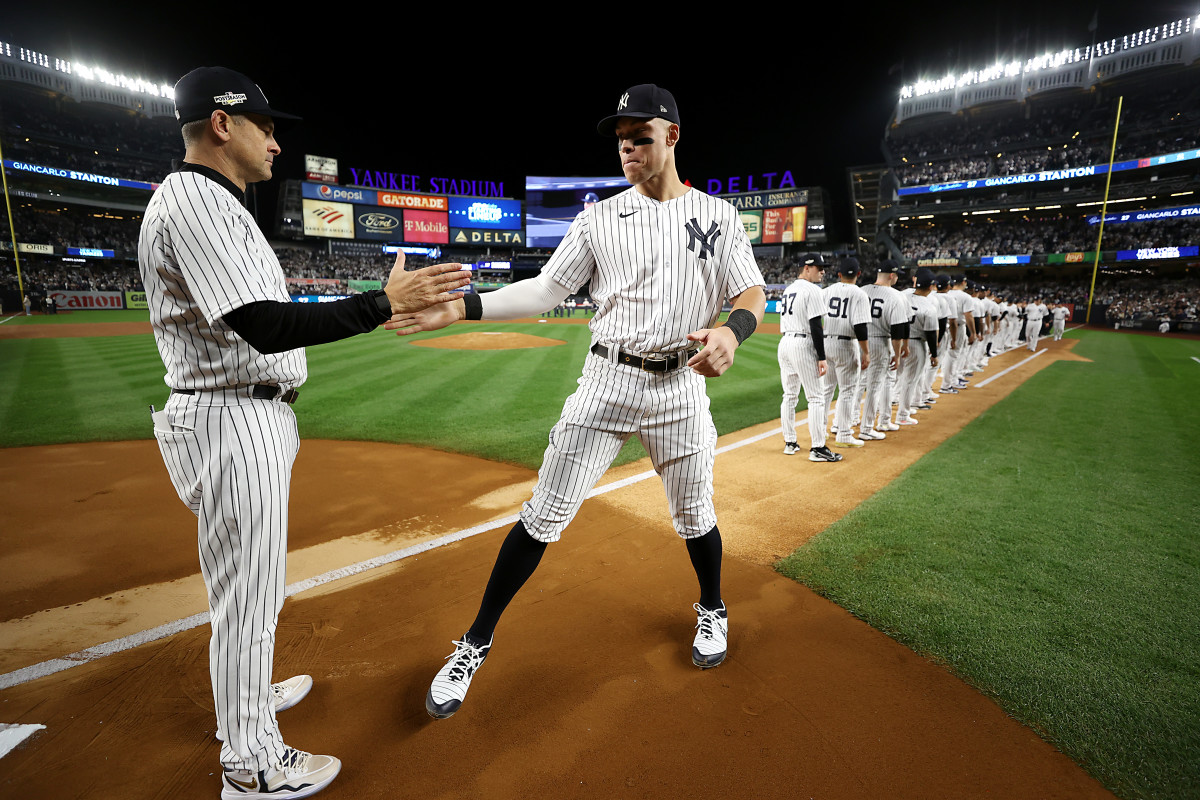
point(801, 354)
point(1060, 313)
point(888, 337)
point(847, 312)
point(922, 349)
point(232, 344)
point(661, 259)
point(1035, 312)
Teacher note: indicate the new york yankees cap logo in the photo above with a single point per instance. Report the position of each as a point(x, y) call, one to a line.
point(206, 89)
point(644, 101)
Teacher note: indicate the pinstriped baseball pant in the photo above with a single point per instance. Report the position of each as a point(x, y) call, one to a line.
point(230, 460)
point(668, 412)
point(798, 369)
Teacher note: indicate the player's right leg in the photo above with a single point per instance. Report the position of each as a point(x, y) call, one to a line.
point(789, 375)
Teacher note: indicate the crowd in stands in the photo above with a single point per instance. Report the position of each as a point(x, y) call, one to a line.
point(1038, 235)
point(1044, 135)
point(58, 132)
point(74, 226)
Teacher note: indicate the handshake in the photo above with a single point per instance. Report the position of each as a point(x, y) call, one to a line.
point(425, 299)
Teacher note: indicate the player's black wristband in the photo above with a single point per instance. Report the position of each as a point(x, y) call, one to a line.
point(474, 306)
point(817, 336)
point(900, 330)
point(860, 331)
point(742, 323)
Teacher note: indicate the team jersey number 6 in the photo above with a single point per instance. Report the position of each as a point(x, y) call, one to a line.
point(876, 307)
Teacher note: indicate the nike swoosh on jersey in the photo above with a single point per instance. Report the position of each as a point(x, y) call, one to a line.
point(627, 214)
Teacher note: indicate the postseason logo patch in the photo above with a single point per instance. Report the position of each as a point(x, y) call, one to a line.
point(229, 99)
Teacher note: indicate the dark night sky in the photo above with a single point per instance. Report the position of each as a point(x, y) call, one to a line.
point(467, 94)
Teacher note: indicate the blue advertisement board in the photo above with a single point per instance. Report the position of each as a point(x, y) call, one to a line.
point(485, 213)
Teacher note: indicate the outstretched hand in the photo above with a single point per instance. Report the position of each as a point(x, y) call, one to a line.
point(429, 319)
point(413, 291)
point(717, 355)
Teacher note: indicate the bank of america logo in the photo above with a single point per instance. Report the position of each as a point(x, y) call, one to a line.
point(328, 214)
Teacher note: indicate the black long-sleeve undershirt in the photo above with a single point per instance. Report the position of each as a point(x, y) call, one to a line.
point(860, 331)
point(275, 327)
point(817, 334)
point(931, 339)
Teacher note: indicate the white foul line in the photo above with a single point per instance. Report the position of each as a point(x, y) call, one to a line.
point(41, 670)
point(981, 384)
point(1197, 360)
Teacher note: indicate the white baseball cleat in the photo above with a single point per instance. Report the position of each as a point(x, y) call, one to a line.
point(300, 774)
point(287, 693)
point(866, 435)
point(712, 634)
point(791, 448)
point(449, 687)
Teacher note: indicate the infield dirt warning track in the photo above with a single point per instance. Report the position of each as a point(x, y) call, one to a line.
point(589, 690)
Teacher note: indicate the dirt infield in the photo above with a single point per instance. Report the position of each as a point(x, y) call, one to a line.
point(589, 691)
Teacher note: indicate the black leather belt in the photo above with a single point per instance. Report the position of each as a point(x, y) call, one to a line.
point(796, 333)
point(843, 338)
point(260, 391)
point(652, 363)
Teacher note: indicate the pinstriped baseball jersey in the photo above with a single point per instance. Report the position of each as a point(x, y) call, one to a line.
point(888, 308)
point(658, 270)
point(846, 305)
point(202, 255)
point(802, 300)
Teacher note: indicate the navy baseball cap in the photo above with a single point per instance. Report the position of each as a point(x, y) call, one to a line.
point(813, 260)
point(943, 281)
point(888, 266)
point(848, 266)
point(208, 89)
point(644, 101)
point(925, 277)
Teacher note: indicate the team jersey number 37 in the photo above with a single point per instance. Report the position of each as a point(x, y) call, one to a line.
point(787, 304)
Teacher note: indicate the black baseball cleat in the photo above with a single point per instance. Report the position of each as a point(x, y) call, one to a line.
point(823, 454)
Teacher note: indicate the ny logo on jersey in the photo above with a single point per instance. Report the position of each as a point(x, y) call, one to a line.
point(708, 241)
point(624, 101)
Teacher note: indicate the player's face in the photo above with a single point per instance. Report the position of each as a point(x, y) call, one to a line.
point(811, 273)
point(645, 147)
point(255, 147)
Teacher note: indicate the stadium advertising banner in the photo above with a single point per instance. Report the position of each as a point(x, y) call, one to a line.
point(1070, 258)
point(1179, 212)
point(23, 247)
point(82, 177)
point(1000, 260)
point(377, 222)
point(363, 286)
point(784, 225)
point(485, 213)
point(320, 168)
point(465, 236)
point(136, 300)
point(777, 199)
point(1157, 253)
point(1050, 175)
point(334, 220)
point(752, 221)
point(937, 262)
point(70, 299)
point(91, 252)
point(426, 227)
point(318, 298)
point(428, 202)
point(339, 194)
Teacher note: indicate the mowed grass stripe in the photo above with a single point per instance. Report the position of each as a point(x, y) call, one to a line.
point(1048, 554)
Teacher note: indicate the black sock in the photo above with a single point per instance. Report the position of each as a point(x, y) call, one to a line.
point(705, 552)
point(518, 558)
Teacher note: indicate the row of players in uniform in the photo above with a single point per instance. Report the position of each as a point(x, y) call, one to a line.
point(883, 346)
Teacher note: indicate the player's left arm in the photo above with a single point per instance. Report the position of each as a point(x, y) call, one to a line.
point(720, 343)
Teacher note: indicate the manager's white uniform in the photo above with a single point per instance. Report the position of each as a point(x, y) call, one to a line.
point(229, 456)
point(798, 361)
point(1034, 314)
point(658, 271)
point(1060, 314)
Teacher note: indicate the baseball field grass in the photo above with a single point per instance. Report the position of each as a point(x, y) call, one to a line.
point(1048, 554)
point(497, 404)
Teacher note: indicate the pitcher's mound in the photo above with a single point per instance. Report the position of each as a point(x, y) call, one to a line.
point(489, 340)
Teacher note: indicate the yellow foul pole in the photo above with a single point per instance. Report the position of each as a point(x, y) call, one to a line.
point(12, 230)
point(1104, 210)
